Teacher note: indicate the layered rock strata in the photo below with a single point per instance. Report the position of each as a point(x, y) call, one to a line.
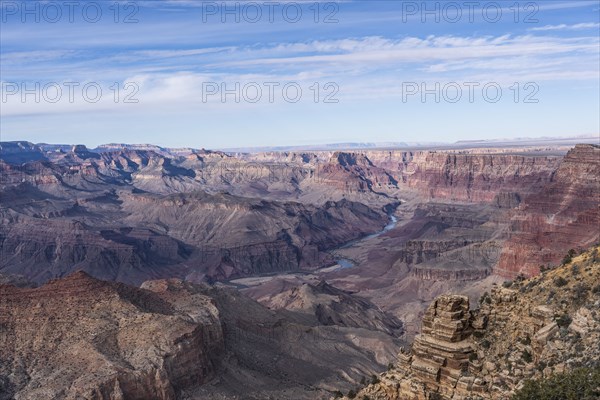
point(528, 329)
point(564, 215)
point(83, 338)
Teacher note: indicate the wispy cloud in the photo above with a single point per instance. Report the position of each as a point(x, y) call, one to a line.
point(564, 27)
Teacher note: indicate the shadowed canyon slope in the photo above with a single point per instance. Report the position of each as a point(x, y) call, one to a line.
point(79, 337)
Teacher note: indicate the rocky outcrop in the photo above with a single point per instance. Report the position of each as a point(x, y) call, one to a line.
point(529, 329)
point(83, 338)
point(440, 358)
point(432, 273)
point(564, 215)
point(330, 306)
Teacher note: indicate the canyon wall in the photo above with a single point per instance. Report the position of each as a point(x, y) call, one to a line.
point(83, 338)
point(563, 215)
point(192, 214)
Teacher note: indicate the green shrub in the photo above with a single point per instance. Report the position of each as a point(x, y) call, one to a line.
point(575, 269)
point(580, 292)
point(560, 281)
point(572, 253)
point(507, 284)
point(351, 394)
point(479, 334)
point(485, 297)
point(526, 356)
point(526, 341)
point(337, 394)
point(564, 320)
point(541, 366)
point(579, 384)
point(374, 379)
point(472, 357)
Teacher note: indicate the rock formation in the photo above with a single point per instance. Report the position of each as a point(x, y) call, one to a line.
point(83, 338)
point(197, 209)
point(79, 337)
point(564, 215)
point(528, 329)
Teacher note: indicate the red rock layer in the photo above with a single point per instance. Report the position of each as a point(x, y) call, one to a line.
point(565, 214)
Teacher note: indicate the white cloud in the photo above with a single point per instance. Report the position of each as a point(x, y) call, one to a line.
point(376, 52)
point(564, 27)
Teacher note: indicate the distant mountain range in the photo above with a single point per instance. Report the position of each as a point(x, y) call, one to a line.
point(12, 148)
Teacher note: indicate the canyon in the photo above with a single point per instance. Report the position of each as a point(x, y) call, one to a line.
point(80, 337)
point(227, 256)
point(529, 329)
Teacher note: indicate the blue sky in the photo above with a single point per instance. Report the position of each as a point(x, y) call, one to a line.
point(361, 66)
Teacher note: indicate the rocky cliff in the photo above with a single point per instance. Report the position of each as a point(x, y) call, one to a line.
point(82, 338)
point(528, 329)
point(564, 214)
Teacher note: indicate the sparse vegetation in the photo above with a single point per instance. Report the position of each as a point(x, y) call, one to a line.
point(560, 281)
point(507, 284)
point(541, 366)
point(579, 384)
point(374, 379)
point(337, 394)
point(526, 356)
point(580, 292)
point(564, 320)
point(569, 257)
point(485, 298)
point(351, 394)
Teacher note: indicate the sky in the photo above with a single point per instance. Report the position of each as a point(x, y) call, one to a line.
point(187, 73)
